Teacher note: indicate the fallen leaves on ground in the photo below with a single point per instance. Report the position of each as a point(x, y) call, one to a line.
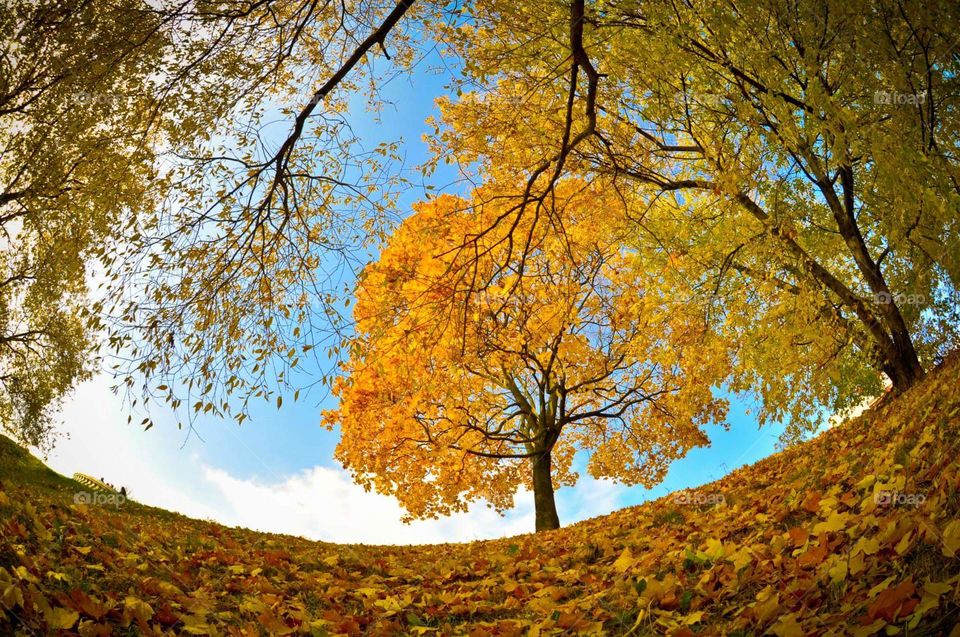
point(854, 533)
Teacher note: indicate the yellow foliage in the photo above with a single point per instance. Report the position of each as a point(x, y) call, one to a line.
point(475, 355)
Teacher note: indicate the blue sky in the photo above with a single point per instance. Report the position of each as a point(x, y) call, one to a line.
point(277, 473)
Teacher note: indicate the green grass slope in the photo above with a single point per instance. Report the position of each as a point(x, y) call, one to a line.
point(856, 532)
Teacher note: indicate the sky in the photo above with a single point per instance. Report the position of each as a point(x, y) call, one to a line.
point(276, 472)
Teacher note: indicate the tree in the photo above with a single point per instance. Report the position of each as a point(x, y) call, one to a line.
point(133, 150)
point(238, 276)
point(457, 390)
point(799, 160)
point(793, 162)
point(72, 174)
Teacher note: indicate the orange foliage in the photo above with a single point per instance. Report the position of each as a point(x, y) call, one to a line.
point(690, 563)
point(474, 355)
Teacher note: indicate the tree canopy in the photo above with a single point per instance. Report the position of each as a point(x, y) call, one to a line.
point(73, 171)
point(775, 181)
point(801, 157)
point(473, 373)
point(135, 157)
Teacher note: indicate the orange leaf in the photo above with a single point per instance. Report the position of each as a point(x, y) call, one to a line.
point(813, 556)
point(812, 502)
point(893, 602)
point(798, 535)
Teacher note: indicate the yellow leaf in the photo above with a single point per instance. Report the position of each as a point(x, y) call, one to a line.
point(835, 522)
point(138, 608)
point(937, 588)
point(856, 564)
point(196, 625)
point(61, 618)
point(693, 618)
point(838, 572)
point(867, 546)
point(951, 539)
point(390, 604)
point(715, 549)
point(866, 481)
point(787, 626)
point(904, 544)
point(625, 561)
point(741, 558)
point(12, 596)
point(767, 604)
point(931, 597)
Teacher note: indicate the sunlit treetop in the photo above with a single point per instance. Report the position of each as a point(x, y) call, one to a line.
point(470, 368)
point(799, 157)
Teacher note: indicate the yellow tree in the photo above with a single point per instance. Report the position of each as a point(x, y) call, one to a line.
point(799, 156)
point(74, 102)
point(468, 383)
point(133, 145)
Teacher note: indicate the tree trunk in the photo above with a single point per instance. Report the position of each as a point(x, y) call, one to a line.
point(902, 365)
point(904, 370)
point(544, 504)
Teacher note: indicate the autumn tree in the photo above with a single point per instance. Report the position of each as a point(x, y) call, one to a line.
point(73, 172)
point(135, 154)
point(794, 164)
point(237, 277)
point(798, 159)
point(453, 394)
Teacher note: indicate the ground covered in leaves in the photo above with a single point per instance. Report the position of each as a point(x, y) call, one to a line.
point(854, 533)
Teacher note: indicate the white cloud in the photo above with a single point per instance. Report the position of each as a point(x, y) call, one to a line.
point(100, 443)
point(320, 503)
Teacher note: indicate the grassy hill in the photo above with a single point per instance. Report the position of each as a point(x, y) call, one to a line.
point(854, 533)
